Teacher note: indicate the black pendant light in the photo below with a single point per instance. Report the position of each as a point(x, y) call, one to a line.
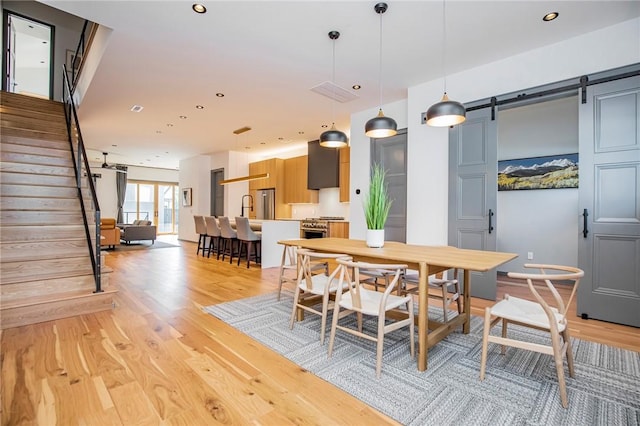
point(380, 126)
point(446, 112)
point(333, 138)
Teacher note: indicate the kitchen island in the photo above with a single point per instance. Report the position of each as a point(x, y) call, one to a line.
point(273, 231)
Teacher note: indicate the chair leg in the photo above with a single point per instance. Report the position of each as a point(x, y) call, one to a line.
point(323, 324)
point(282, 263)
point(485, 342)
point(557, 356)
point(567, 340)
point(296, 297)
point(379, 345)
point(241, 244)
point(334, 326)
point(459, 299)
point(249, 245)
point(503, 349)
point(445, 299)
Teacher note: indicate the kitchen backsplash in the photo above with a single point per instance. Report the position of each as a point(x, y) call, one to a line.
point(329, 205)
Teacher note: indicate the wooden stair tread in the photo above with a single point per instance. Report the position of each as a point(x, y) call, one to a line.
point(38, 300)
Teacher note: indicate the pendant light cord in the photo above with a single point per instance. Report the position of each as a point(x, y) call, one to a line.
point(444, 44)
point(380, 65)
point(333, 80)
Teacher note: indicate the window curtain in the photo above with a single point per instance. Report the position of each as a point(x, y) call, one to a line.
point(121, 190)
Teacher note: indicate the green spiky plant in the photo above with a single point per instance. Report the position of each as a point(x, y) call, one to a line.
point(377, 202)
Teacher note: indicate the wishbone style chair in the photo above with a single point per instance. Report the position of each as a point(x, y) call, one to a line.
point(538, 314)
point(446, 289)
point(311, 285)
point(289, 267)
point(356, 298)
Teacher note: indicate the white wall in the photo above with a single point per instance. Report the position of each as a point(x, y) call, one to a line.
point(544, 221)
point(195, 173)
point(360, 157)
point(427, 200)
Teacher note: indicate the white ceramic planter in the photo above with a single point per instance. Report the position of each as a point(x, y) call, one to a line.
point(375, 238)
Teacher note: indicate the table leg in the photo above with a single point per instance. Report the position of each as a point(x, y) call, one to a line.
point(466, 306)
point(423, 316)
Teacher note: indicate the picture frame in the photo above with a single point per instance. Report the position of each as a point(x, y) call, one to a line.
point(546, 172)
point(72, 61)
point(186, 197)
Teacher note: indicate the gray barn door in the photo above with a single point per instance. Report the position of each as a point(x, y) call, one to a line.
point(609, 250)
point(391, 152)
point(473, 191)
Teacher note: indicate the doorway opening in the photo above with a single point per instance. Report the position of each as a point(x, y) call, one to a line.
point(28, 56)
point(154, 201)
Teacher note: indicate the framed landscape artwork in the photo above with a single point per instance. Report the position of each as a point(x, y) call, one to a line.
point(550, 172)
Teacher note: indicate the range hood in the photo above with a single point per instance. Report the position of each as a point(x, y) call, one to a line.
point(323, 169)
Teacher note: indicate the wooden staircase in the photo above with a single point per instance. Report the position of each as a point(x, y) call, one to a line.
point(45, 266)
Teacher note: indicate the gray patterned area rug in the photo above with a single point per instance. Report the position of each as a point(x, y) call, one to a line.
point(520, 387)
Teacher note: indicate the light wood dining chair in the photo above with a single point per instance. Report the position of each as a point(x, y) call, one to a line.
point(538, 314)
point(310, 285)
point(288, 272)
point(445, 289)
point(353, 297)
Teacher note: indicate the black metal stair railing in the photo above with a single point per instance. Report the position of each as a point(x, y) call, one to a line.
point(84, 179)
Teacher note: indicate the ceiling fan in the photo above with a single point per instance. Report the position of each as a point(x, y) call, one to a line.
point(106, 165)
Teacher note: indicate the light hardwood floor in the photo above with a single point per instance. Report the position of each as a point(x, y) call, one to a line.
point(158, 359)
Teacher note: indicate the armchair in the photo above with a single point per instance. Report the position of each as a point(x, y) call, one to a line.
point(109, 232)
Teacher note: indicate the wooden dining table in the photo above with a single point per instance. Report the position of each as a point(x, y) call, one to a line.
point(427, 260)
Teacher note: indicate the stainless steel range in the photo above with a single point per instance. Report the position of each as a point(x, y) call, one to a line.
point(316, 227)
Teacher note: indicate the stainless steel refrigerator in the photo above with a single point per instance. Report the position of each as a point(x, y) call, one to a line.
point(265, 204)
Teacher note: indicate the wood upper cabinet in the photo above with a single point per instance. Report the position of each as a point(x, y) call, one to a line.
point(345, 169)
point(276, 179)
point(295, 188)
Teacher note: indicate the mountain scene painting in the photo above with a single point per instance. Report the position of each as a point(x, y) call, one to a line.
point(550, 172)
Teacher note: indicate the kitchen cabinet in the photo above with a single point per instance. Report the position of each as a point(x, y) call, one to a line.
point(345, 169)
point(276, 180)
point(338, 229)
point(295, 187)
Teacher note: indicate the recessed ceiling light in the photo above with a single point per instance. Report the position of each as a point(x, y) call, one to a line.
point(550, 16)
point(247, 147)
point(199, 107)
point(356, 87)
point(158, 131)
point(137, 108)
point(324, 126)
point(220, 95)
point(199, 8)
point(114, 145)
point(280, 139)
point(263, 143)
point(183, 117)
point(301, 133)
point(169, 124)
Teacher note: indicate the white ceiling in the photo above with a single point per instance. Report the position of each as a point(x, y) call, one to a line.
point(265, 56)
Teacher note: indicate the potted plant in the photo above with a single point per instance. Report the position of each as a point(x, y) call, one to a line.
point(376, 206)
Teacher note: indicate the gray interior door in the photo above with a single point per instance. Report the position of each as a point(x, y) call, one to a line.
point(391, 153)
point(609, 247)
point(473, 191)
point(217, 193)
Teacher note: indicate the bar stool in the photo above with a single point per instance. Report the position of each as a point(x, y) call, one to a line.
point(201, 230)
point(229, 238)
point(213, 231)
point(247, 239)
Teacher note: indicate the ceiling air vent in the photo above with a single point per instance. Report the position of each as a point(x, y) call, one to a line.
point(137, 108)
point(333, 91)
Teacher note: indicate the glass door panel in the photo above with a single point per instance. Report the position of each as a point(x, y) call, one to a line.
point(166, 195)
point(146, 201)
